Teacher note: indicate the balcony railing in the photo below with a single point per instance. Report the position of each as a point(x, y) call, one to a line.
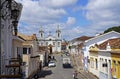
point(13, 69)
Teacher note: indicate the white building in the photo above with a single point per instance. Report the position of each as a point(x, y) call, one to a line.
point(97, 40)
point(53, 41)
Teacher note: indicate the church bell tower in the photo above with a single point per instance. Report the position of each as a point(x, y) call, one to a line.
point(41, 33)
point(58, 33)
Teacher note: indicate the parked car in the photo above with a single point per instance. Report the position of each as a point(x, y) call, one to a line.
point(66, 62)
point(51, 64)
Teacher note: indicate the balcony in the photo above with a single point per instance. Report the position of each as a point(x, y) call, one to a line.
point(13, 69)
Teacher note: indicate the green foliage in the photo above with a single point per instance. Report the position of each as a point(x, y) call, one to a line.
point(69, 47)
point(115, 28)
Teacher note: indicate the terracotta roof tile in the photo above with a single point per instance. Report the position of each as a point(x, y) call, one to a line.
point(114, 44)
point(27, 37)
point(80, 45)
point(82, 38)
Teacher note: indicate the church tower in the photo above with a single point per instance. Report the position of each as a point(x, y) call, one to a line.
point(58, 33)
point(41, 33)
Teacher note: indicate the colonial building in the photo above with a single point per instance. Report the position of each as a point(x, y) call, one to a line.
point(9, 57)
point(97, 40)
point(105, 59)
point(53, 42)
point(30, 55)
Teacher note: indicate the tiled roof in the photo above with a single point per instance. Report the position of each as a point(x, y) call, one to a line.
point(114, 44)
point(27, 37)
point(80, 45)
point(82, 38)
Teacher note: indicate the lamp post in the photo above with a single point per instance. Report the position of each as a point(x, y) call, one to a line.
point(14, 16)
point(7, 4)
point(15, 27)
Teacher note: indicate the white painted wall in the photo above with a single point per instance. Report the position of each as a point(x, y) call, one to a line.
point(105, 70)
point(98, 40)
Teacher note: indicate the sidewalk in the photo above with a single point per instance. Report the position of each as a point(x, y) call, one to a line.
point(77, 63)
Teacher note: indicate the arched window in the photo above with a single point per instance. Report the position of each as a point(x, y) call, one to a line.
point(58, 35)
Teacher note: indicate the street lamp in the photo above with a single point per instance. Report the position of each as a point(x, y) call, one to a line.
point(15, 27)
point(14, 16)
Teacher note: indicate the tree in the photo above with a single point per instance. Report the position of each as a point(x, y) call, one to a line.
point(115, 28)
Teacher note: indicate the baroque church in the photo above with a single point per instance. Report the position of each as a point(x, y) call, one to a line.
point(53, 42)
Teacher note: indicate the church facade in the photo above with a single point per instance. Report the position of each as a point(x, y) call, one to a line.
point(52, 42)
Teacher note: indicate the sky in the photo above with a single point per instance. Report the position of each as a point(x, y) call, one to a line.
point(75, 18)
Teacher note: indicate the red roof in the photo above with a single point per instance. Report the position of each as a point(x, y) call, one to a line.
point(114, 44)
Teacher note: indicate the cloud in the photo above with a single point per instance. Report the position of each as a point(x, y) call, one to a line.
point(97, 14)
point(34, 13)
point(102, 14)
point(103, 10)
point(57, 3)
point(70, 20)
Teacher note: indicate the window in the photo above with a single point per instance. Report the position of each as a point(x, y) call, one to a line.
point(58, 44)
point(41, 35)
point(114, 67)
point(96, 62)
point(106, 65)
point(100, 63)
point(24, 50)
point(91, 62)
point(53, 43)
point(29, 51)
point(118, 63)
point(58, 35)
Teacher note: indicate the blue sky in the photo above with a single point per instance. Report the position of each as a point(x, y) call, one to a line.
point(75, 17)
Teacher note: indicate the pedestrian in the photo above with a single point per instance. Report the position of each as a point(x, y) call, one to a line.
point(75, 74)
point(35, 76)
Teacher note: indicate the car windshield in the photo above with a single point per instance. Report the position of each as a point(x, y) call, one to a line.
point(51, 62)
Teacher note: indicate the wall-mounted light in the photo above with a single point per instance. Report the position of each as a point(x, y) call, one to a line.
point(14, 14)
point(15, 23)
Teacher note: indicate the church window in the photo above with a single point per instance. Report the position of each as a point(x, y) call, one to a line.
point(58, 35)
point(41, 35)
point(54, 43)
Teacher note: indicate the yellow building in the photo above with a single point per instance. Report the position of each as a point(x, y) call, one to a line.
point(115, 55)
point(113, 46)
point(115, 64)
point(105, 59)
